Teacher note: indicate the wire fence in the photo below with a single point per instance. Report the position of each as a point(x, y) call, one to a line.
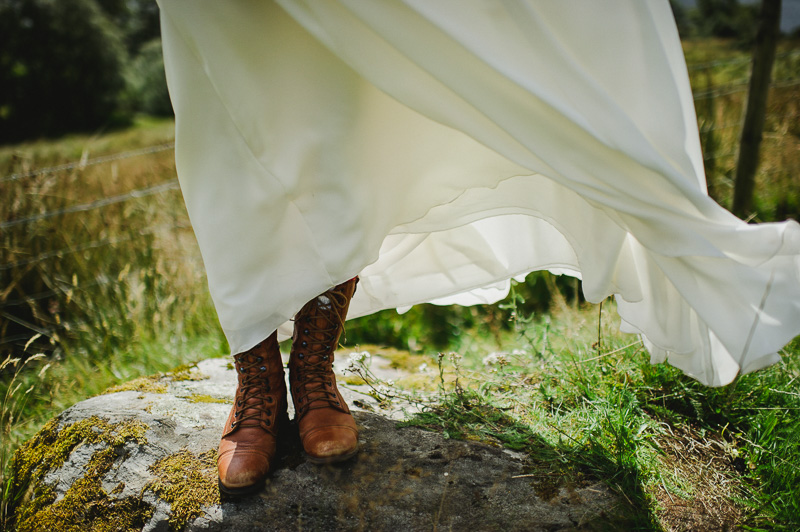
point(90, 162)
point(91, 245)
point(104, 202)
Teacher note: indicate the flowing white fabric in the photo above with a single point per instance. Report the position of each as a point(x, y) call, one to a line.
point(439, 148)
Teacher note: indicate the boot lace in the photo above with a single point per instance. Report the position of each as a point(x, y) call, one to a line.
point(316, 386)
point(252, 398)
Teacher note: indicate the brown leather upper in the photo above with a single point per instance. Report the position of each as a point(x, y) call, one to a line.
point(249, 438)
point(327, 428)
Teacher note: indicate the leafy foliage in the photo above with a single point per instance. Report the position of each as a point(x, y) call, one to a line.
point(61, 68)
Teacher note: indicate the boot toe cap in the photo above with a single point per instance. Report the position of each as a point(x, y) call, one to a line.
point(331, 444)
point(242, 469)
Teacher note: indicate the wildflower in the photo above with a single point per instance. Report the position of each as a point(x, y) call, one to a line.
point(423, 367)
point(357, 360)
point(495, 358)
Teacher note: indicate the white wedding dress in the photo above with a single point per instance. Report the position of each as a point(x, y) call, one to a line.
point(437, 148)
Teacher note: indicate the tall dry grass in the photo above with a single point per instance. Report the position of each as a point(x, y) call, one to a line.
point(100, 295)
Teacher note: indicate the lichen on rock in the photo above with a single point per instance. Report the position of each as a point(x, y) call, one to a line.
point(188, 482)
point(205, 398)
point(158, 383)
point(186, 372)
point(149, 384)
point(121, 462)
point(85, 505)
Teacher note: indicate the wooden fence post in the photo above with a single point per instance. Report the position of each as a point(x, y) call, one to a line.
point(763, 58)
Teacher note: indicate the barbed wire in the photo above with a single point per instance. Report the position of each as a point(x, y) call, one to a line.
point(725, 90)
point(718, 155)
point(92, 245)
point(172, 184)
point(90, 162)
point(735, 61)
point(726, 125)
point(48, 332)
point(719, 62)
point(67, 287)
point(64, 325)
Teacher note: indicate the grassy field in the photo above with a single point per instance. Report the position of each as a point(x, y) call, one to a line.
point(583, 402)
point(101, 282)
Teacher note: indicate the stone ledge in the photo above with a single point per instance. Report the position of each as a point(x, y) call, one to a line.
point(402, 478)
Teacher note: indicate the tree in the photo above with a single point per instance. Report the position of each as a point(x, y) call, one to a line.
point(725, 18)
point(148, 82)
point(61, 68)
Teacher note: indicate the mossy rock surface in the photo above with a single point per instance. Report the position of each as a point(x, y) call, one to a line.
point(145, 460)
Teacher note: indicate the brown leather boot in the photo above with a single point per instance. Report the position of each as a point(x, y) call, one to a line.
point(327, 429)
point(248, 446)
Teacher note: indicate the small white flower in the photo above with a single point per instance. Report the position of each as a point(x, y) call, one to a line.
point(423, 367)
point(497, 357)
point(358, 358)
point(390, 383)
point(519, 352)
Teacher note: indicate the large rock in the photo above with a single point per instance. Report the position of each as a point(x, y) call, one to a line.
point(144, 459)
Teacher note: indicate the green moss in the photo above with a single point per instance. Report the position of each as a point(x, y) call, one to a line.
point(185, 373)
point(155, 383)
point(149, 384)
point(85, 505)
point(188, 482)
point(398, 358)
point(185, 480)
point(201, 398)
point(418, 381)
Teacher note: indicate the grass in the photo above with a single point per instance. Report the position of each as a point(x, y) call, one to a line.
point(719, 73)
point(94, 299)
point(683, 456)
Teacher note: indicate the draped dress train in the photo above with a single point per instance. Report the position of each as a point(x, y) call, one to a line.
point(437, 149)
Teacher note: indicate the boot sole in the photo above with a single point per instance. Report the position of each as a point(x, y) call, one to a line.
point(283, 422)
point(330, 459)
point(240, 492)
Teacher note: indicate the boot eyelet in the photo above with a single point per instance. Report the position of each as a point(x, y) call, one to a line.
point(327, 348)
point(300, 356)
point(263, 368)
point(305, 331)
point(269, 423)
point(269, 413)
point(324, 357)
point(237, 414)
point(260, 359)
point(269, 399)
point(304, 343)
point(239, 403)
